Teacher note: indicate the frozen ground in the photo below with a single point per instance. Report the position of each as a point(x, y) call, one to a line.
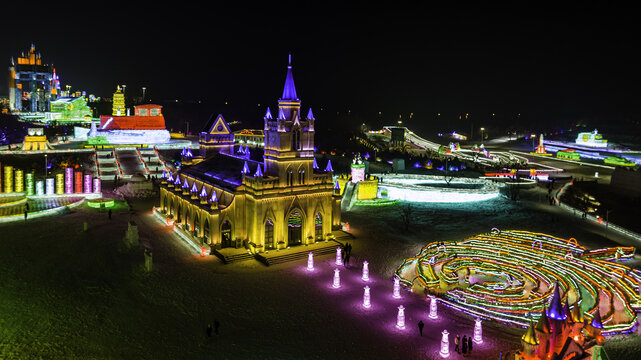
point(65, 293)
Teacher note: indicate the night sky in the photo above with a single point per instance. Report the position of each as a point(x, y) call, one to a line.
point(553, 65)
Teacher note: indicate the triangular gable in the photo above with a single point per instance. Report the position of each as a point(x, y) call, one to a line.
point(220, 126)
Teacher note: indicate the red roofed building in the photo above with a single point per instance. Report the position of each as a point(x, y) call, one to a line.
point(147, 117)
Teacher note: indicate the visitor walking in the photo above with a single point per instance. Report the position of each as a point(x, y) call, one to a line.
point(469, 345)
point(420, 327)
point(109, 212)
point(346, 259)
point(216, 326)
point(464, 345)
point(457, 341)
point(25, 214)
point(209, 329)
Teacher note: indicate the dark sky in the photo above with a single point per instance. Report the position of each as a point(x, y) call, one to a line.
point(552, 64)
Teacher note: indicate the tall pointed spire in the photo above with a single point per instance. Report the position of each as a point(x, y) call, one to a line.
point(530, 336)
point(556, 308)
point(596, 321)
point(329, 168)
point(310, 115)
point(543, 325)
point(259, 172)
point(289, 91)
point(268, 115)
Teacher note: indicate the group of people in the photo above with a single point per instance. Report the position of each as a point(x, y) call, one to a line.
point(347, 251)
point(465, 344)
point(215, 328)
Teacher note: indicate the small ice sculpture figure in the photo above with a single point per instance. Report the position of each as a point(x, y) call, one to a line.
point(445, 344)
point(366, 298)
point(339, 256)
point(478, 332)
point(400, 318)
point(397, 288)
point(433, 314)
point(337, 279)
point(310, 262)
point(365, 271)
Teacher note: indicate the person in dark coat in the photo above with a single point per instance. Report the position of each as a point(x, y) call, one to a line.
point(216, 326)
point(464, 345)
point(420, 327)
point(109, 214)
point(469, 345)
point(209, 330)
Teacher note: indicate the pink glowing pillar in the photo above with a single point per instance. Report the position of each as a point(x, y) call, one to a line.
point(400, 318)
point(310, 262)
point(397, 288)
point(478, 332)
point(366, 298)
point(68, 181)
point(96, 185)
point(445, 344)
point(87, 184)
point(339, 257)
point(337, 279)
point(433, 314)
point(365, 271)
point(78, 182)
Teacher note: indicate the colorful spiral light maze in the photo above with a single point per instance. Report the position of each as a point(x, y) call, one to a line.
point(337, 279)
point(366, 298)
point(365, 271)
point(511, 276)
point(400, 318)
point(445, 344)
point(310, 262)
point(339, 257)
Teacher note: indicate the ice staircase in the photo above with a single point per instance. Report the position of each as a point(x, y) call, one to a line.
point(150, 158)
point(234, 256)
point(107, 164)
point(298, 253)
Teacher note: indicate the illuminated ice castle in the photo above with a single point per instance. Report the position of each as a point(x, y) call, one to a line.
point(262, 200)
point(32, 84)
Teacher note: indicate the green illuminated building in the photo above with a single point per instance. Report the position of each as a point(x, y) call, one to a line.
point(70, 109)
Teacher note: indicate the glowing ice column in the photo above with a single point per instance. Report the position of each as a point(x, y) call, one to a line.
point(397, 288)
point(60, 184)
point(50, 186)
point(400, 318)
point(310, 262)
point(87, 184)
point(30, 184)
point(339, 257)
point(337, 278)
point(96, 185)
point(366, 298)
point(433, 314)
point(68, 181)
point(40, 188)
point(478, 332)
point(445, 344)
point(365, 271)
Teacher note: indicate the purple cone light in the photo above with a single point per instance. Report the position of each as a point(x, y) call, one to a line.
point(365, 271)
point(445, 344)
point(310, 262)
point(478, 332)
point(397, 288)
point(366, 298)
point(339, 256)
point(433, 314)
point(337, 279)
point(400, 318)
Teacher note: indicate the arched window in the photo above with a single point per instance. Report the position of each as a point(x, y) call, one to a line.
point(295, 228)
point(290, 177)
point(301, 177)
point(225, 234)
point(296, 139)
point(206, 231)
point(269, 234)
point(318, 226)
point(196, 225)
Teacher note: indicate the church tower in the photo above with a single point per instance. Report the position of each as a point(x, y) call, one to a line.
point(289, 139)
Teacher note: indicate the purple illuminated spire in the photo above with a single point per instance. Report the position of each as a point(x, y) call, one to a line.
point(170, 178)
point(182, 153)
point(185, 184)
point(289, 92)
point(310, 115)
point(245, 168)
point(268, 115)
point(177, 182)
point(281, 114)
point(164, 174)
point(189, 154)
point(259, 172)
point(329, 166)
point(596, 321)
point(240, 150)
point(213, 198)
point(194, 188)
point(556, 308)
point(203, 193)
point(315, 164)
point(337, 187)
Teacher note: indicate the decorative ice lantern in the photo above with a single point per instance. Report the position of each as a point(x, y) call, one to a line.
point(400, 318)
point(366, 298)
point(365, 271)
point(445, 344)
point(40, 188)
point(478, 332)
point(337, 279)
point(339, 257)
point(310, 262)
point(433, 314)
point(397, 288)
point(96, 185)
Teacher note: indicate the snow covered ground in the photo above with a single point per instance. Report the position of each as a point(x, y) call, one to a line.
point(66, 293)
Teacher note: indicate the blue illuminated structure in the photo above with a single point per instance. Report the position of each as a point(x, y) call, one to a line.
point(329, 168)
point(556, 308)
